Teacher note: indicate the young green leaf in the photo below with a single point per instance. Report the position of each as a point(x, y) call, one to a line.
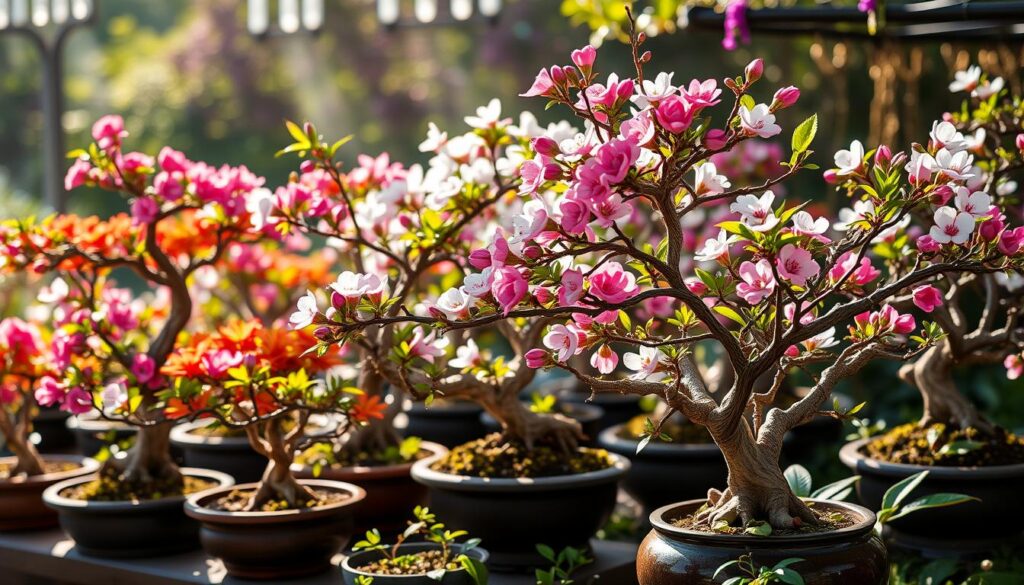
point(799, 480)
point(804, 134)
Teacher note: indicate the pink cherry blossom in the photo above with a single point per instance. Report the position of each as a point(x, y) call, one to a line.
point(77, 401)
point(144, 210)
point(77, 174)
point(927, 245)
point(1014, 366)
point(49, 392)
point(796, 264)
point(756, 212)
point(951, 226)
point(563, 341)
point(758, 281)
point(584, 58)
point(859, 273)
point(575, 216)
point(108, 132)
point(427, 346)
point(612, 284)
point(604, 360)
point(785, 97)
point(1011, 241)
point(509, 288)
point(927, 298)
point(143, 367)
point(701, 94)
point(572, 287)
point(542, 85)
point(536, 358)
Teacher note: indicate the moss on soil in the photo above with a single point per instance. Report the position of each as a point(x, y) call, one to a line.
point(419, 563)
point(494, 457)
point(48, 467)
point(911, 444)
point(828, 520)
point(236, 500)
point(681, 434)
point(328, 455)
point(109, 488)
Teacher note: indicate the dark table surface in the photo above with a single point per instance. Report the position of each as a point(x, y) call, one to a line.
point(49, 558)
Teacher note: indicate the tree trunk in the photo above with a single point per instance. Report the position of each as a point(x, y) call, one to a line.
point(278, 483)
point(932, 375)
point(378, 435)
point(29, 461)
point(757, 490)
point(520, 423)
point(149, 460)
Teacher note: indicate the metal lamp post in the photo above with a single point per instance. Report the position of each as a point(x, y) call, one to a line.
point(394, 13)
point(293, 16)
point(47, 23)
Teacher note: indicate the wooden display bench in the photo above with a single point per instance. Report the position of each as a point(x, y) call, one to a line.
point(49, 558)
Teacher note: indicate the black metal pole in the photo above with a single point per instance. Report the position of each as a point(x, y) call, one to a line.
point(53, 125)
point(1005, 13)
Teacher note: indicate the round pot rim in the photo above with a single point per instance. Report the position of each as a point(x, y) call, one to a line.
point(481, 555)
point(183, 435)
point(91, 424)
point(853, 457)
point(862, 527)
point(195, 508)
point(422, 473)
point(87, 465)
point(53, 499)
point(379, 471)
point(611, 439)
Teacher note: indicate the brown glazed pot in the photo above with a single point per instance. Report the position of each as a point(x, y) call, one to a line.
point(980, 526)
point(512, 516)
point(129, 529)
point(675, 556)
point(21, 501)
point(391, 494)
point(664, 472)
point(276, 545)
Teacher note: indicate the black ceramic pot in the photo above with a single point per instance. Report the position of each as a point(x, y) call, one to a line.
point(617, 408)
point(350, 572)
point(665, 472)
point(588, 415)
point(447, 423)
point(21, 501)
point(675, 556)
point(276, 545)
point(93, 434)
point(963, 530)
point(228, 454)
point(512, 516)
point(51, 426)
point(391, 494)
point(129, 529)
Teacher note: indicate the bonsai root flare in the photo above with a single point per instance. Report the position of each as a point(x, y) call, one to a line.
point(778, 507)
point(932, 375)
point(530, 428)
point(148, 461)
point(29, 462)
point(278, 484)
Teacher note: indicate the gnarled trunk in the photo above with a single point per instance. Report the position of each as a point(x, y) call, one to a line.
point(148, 461)
point(757, 489)
point(932, 375)
point(278, 483)
point(518, 422)
point(29, 461)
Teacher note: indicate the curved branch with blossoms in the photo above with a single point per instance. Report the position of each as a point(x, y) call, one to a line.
point(184, 214)
point(770, 291)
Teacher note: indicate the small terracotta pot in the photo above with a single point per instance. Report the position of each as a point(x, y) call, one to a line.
point(664, 472)
point(391, 494)
point(93, 434)
point(961, 530)
point(448, 423)
point(512, 516)
point(359, 559)
point(276, 545)
point(588, 415)
point(21, 501)
point(129, 529)
point(676, 556)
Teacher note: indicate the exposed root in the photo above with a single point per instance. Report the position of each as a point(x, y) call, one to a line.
point(278, 485)
point(148, 461)
point(932, 375)
point(532, 428)
point(779, 507)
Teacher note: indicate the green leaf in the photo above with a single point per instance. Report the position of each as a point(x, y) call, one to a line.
point(546, 551)
point(960, 447)
point(899, 492)
point(748, 101)
point(730, 314)
point(933, 501)
point(789, 576)
point(296, 131)
point(804, 134)
point(477, 571)
point(936, 572)
point(834, 490)
point(723, 567)
point(758, 529)
point(799, 480)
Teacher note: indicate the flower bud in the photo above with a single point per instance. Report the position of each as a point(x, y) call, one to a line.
point(1020, 142)
point(831, 176)
point(715, 139)
point(927, 245)
point(883, 156)
point(754, 70)
point(557, 75)
point(545, 146)
point(584, 58)
point(942, 194)
point(337, 300)
point(536, 358)
point(785, 97)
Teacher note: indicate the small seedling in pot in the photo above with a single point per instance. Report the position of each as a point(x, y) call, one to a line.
point(753, 575)
point(563, 565)
point(452, 555)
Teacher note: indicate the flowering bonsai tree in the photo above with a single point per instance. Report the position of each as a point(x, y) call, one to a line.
point(260, 379)
point(407, 235)
point(776, 289)
point(183, 216)
point(24, 364)
point(987, 129)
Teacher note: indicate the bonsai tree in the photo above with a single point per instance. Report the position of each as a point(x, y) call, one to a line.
point(406, 235)
point(775, 290)
point(24, 367)
point(988, 127)
point(260, 379)
point(183, 217)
